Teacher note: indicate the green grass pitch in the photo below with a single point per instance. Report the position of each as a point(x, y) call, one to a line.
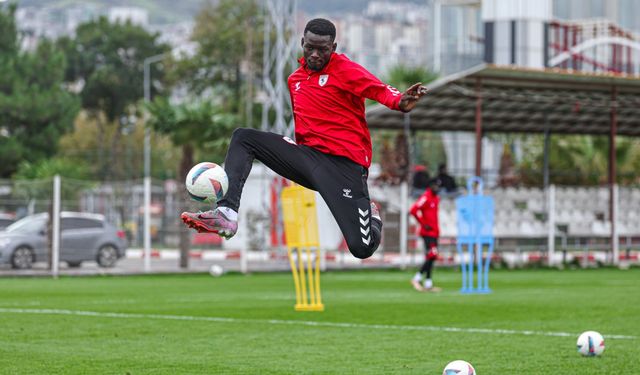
point(374, 323)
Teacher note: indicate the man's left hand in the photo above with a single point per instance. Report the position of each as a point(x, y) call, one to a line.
point(411, 96)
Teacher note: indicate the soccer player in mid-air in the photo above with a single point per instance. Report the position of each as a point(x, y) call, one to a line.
point(332, 150)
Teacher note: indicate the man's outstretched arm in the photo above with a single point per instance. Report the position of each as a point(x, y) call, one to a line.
point(360, 82)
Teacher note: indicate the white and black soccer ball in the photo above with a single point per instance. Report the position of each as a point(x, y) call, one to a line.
point(590, 344)
point(459, 367)
point(216, 270)
point(207, 182)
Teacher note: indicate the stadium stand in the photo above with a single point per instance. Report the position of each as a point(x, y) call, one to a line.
point(580, 211)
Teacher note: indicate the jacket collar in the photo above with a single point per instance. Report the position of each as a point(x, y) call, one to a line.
point(303, 64)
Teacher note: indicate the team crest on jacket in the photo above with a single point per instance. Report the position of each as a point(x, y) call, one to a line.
point(323, 79)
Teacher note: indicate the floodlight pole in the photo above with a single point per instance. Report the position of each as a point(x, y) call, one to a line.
point(479, 127)
point(545, 162)
point(280, 46)
point(147, 98)
point(437, 35)
point(147, 161)
point(551, 223)
point(613, 188)
point(55, 228)
point(404, 198)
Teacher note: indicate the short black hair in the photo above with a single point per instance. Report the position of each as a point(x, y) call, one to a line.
point(321, 26)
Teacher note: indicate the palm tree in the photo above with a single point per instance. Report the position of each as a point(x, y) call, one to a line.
point(197, 125)
point(580, 160)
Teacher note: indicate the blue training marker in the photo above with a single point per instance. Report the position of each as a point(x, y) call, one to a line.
point(475, 232)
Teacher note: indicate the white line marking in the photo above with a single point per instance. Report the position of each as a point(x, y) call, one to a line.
point(298, 322)
point(21, 304)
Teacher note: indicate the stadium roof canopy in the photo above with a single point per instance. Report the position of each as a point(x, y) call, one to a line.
point(490, 98)
point(508, 99)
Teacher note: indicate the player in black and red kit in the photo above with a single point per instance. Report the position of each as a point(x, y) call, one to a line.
point(425, 211)
point(332, 150)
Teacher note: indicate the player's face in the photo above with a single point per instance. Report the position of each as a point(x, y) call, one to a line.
point(317, 50)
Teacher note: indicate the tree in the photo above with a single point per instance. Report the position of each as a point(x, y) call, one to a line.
point(8, 31)
point(35, 109)
point(48, 168)
point(507, 175)
point(108, 58)
point(196, 125)
point(80, 146)
point(402, 76)
point(229, 35)
point(429, 150)
point(395, 161)
point(579, 160)
point(628, 170)
point(106, 66)
point(219, 79)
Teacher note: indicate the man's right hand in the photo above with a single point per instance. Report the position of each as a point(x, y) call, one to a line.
point(411, 96)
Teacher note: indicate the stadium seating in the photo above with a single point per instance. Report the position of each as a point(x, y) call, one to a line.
point(580, 211)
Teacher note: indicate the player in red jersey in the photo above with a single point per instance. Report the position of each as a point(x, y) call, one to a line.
point(332, 150)
point(425, 210)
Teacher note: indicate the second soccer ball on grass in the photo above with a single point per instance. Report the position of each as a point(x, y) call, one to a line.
point(459, 368)
point(207, 182)
point(590, 344)
point(216, 270)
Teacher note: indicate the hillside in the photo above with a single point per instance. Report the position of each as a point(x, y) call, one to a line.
point(170, 11)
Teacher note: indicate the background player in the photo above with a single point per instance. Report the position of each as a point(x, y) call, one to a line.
point(425, 210)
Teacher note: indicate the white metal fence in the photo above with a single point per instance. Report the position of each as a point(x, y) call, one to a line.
point(561, 224)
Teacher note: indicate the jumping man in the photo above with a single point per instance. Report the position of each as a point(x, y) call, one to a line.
point(332, 150)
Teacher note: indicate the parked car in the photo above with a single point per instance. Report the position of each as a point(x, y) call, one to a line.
point(5, 221)
point(83, 237)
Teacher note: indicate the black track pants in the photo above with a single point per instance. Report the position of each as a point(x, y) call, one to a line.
point(341, 182)
point(427, 266)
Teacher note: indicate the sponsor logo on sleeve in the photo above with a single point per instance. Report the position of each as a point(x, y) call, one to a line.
point(394, 91)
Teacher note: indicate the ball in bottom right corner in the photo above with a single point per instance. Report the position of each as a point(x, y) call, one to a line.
point(459, 367)
point(590, 344)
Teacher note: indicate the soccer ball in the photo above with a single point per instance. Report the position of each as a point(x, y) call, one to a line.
point(207, 182)
point(590, 344)
point(216, 270)
point(459, 368)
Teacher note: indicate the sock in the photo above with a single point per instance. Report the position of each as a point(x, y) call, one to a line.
point(428, 283)
point(417, 277)
point(229, 213)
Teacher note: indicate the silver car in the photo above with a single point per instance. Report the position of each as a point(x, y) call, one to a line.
point(83, 237)
point(5, 221)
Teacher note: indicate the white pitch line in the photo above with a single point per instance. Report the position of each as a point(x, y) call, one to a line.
point(298, 322)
